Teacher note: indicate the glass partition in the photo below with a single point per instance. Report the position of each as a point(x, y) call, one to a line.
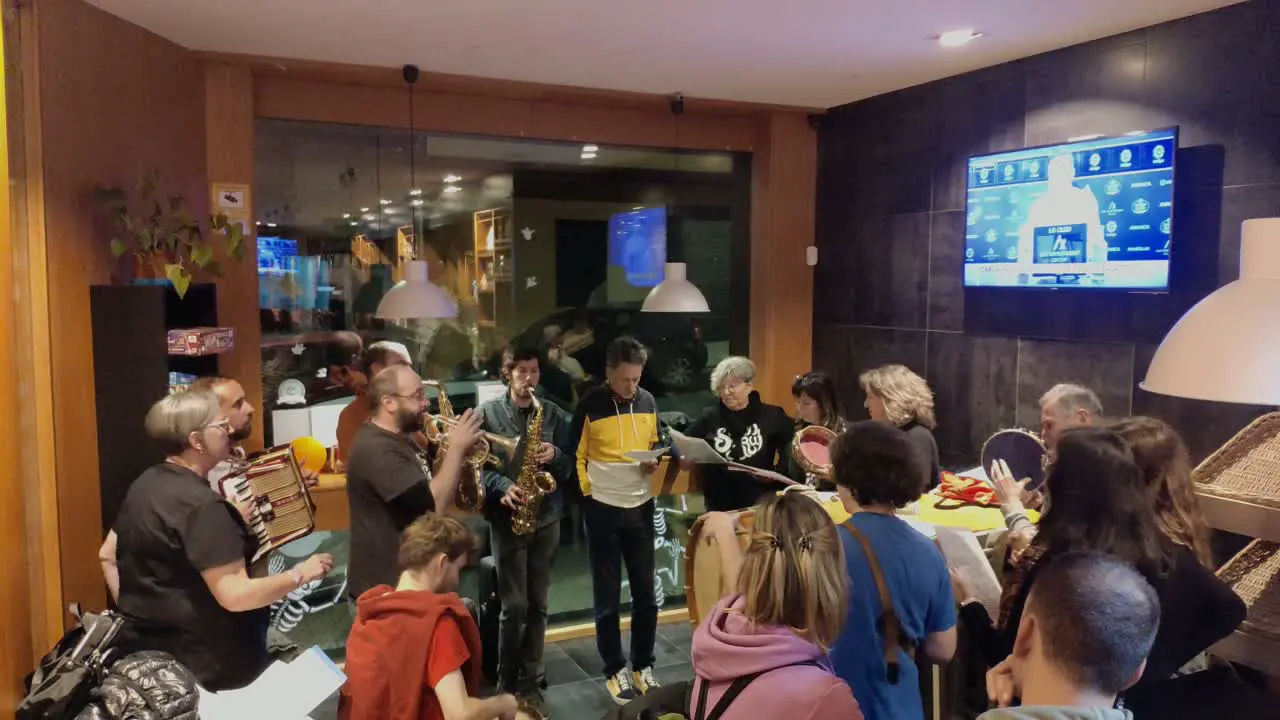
point(549, 244)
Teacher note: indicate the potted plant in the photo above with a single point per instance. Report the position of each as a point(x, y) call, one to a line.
point(163, 237)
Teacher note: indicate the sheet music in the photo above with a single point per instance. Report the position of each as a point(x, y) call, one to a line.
point(287, 691)
point(963, 554)
point(646, 455)
point(696, 449)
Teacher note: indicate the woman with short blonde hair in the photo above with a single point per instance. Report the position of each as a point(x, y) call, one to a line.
point(746, 431)
point(899, 397)
point(790, 599)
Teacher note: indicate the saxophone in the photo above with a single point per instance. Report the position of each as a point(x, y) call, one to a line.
point(535, 483)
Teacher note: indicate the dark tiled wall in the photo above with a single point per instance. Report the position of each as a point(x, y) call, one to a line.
point(891, 222)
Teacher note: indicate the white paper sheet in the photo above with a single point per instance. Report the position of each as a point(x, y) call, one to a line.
point(965, 555)
point(285, 691)
point(696, 449)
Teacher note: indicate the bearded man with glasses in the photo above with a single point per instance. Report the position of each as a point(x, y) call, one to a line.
point(389, 479)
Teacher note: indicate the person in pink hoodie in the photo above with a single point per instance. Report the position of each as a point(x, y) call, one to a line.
point(762, 652)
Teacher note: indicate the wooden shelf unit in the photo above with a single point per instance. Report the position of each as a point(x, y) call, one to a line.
point(493, 265)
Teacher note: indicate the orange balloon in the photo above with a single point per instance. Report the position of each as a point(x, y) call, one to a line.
point(309, 453)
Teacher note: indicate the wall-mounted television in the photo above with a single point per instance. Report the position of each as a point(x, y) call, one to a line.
point(638, 244)
point(274, 254)
point(1096, 213)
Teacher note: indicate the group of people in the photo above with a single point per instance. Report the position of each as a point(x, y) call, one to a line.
point(824, 621)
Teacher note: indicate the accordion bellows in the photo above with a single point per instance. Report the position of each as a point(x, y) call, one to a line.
point(273, 485)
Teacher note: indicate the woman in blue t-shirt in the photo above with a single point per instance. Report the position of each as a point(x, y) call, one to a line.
point(877, 472)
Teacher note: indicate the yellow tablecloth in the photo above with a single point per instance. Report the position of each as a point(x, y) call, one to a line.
point(978, 519)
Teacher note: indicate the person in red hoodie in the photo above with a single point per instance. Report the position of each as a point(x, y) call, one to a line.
point(414, 650)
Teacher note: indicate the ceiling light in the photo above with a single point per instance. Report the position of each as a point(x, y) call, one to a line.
point(675, 293)
point(588, 156)
point(416, 297)
point(353, 223)
point(417, 202)
point(1227, 347)
point(259, 223)
point(957, 38)
point(415, 192)
point(451, 178)
point(370, 218)
point(590, 148)
point(346, 216)
point(384, 201)
point(364, 209)
point(271, 224)
point(451, 189)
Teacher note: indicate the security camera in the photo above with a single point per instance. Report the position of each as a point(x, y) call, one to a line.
point(410, 73)
point(677, 104)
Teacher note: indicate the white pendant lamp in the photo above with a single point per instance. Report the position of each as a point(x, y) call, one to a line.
point(1227, 347)
point(416, 297)
point(675, 294)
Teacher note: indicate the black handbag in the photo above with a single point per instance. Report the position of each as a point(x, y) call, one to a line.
point(62, 684)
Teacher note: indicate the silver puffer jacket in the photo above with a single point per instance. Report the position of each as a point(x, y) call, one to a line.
point(146, 685)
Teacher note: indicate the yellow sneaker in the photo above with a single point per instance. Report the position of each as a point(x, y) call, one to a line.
point(643, 680)
point(620, 687)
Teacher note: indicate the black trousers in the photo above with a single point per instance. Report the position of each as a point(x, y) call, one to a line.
point(616, 536)
point(524, 578)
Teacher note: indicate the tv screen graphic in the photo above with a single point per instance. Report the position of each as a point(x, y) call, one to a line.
point(274, 254)
point(638, 245)
point(1091, 214)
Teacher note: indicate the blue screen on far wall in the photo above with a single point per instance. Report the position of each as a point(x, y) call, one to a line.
point(638, 244)
point(274, 254)
point(1089, 214)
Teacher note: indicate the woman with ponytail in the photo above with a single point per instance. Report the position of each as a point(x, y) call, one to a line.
point(762, 652)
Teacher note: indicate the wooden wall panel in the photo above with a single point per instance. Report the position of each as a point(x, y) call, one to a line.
point(229, 156)
point(783, 176)
point(116, 101)
point(319, 101)
point(15, 587)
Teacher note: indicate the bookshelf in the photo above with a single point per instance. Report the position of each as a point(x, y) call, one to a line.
point(493, 264)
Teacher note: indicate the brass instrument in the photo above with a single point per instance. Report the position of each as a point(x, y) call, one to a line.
point(533, 482)
point(436, 427)
point(811, 449)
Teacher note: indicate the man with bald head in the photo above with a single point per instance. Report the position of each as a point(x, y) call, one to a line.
point(389, 479)
point(1067, 406)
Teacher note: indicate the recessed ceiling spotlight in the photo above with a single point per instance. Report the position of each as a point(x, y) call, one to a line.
point(451, 178)
point(391, 211)
point(346, 216)
point(364, 209)
point(417, 202)
point(271, 224)
point(259, 223)
point(590, 149)
point(451, 189)
point(353, 223)
point(958, 38)
point(588, 156)
point(369, 218)
point(415, 192)
point(384, 201)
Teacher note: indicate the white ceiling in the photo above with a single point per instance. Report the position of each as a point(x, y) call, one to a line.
point(808, 53)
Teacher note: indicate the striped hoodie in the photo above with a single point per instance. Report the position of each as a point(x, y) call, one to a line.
point(607, 428)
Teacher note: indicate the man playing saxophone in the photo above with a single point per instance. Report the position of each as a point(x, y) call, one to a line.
point(524, 560)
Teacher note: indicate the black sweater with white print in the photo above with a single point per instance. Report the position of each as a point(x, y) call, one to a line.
point(758, 435)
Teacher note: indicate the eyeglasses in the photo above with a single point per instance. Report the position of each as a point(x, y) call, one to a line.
point(224, 425)
point(420, 396)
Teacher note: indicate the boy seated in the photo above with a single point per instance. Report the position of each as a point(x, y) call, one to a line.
point(414, 651)
point(1084, 637)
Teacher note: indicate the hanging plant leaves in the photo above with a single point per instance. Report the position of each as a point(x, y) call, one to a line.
point(201, 253)
point(117, 248)
point(181, 279)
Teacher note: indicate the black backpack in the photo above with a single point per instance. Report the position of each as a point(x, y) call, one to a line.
point(61, 686)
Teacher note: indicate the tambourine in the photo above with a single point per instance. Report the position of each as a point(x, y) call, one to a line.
point(1023, 451)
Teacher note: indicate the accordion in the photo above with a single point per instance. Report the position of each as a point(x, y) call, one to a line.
point(280, 507)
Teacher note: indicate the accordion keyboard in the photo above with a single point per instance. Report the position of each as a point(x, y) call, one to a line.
point(280, 510)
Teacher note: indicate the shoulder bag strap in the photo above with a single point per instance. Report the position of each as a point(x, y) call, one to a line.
point(889, 623)
point(735, 689)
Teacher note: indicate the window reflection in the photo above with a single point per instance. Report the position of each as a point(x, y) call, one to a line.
point(552, 245)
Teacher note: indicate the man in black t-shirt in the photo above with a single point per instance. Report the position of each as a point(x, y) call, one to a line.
point(389, 480)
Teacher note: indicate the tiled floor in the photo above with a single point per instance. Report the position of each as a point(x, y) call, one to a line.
point(575, 687)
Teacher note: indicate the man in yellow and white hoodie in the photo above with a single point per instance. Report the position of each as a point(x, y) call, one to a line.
point(611, 421)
